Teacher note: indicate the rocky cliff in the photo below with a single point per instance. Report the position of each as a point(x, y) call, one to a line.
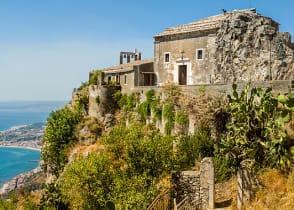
point(249, 47)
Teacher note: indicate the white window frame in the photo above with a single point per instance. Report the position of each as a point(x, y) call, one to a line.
point(164, 54)
point(197, 51)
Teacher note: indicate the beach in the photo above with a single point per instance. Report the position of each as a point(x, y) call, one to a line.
point(22, 145)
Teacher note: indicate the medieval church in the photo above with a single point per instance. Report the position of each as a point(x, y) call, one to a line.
point(232, 47)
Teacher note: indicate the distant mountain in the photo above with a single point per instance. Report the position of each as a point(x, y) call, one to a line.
point(32, 105)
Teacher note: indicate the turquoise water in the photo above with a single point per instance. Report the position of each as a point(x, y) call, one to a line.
point(25, 113)
point(14, 161)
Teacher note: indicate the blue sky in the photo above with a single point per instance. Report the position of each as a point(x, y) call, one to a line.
point(47, 48)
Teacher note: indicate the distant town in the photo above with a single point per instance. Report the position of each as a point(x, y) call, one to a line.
point(23, 136)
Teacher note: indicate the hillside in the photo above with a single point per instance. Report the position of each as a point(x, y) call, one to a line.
point(126, 157)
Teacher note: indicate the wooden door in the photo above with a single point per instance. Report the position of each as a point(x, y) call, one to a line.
point(183, 75)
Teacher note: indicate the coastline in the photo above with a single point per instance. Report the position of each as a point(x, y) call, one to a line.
point(21, 179)
point(21, 147)
point(18, 181)
point(30, 144)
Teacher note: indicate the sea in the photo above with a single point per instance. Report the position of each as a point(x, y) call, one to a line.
point(14, 161)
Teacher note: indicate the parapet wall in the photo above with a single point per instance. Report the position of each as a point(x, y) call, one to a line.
point(278, 86)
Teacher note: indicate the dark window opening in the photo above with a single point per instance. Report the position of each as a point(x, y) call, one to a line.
point(117, 79)
point(149, 79)
point(125, 79)
point(199, 54)
point(109, 79)
point(166, 57)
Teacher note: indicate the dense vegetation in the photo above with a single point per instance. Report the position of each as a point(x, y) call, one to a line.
point(256, 130)
point(137, 159)
point(125, 174)
point(58, 136)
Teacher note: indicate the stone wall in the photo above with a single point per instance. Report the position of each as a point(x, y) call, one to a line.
point(207, 183)
point(93, 105)
point(101, 101)
point(278, 86)
point(247, 183)
point(197, 187)
point(198, 101)
point(186, 184)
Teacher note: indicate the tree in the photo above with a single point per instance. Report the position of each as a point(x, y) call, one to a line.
point(88, 182)
point(58, 134)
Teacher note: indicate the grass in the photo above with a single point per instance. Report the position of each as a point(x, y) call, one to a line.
point(277, 193)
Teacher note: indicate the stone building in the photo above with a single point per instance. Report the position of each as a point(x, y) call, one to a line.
point(235, 46)
point(184, 54)
point(130, 75)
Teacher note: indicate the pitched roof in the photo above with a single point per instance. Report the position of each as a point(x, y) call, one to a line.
point(127, 66)
point(212, 22)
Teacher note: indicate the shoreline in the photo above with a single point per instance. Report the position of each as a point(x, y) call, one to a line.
point(19, 181)
point(21, 147)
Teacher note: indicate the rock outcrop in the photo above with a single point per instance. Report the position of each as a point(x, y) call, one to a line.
point(249, 47)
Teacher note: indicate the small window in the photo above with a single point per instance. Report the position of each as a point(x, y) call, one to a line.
point(109, 79)
point(166, 57)
point(199, 54)
point(117, 79)
point(125, 79)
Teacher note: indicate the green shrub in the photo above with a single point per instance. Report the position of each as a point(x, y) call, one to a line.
point(194, 147)
point(7, 204)
point(202, 89)
point(169, 116)
point(222, 169)
point(144, 110)
point(125, 174)
point(83, 85)
point(58, 135)
point(151, 104)
point(150, 155)
point(182, 121)
point(52, 198)
point(94, 77)
point(83, 102)
point(88, 182)
point(124, 101)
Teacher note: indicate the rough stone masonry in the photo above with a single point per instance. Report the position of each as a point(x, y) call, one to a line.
point(195, 186)
point(249, 47)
